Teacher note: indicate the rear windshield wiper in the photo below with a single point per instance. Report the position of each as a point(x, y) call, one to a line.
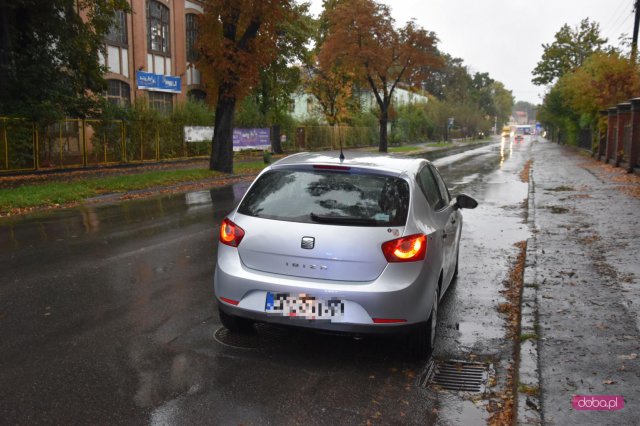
point(344, 220)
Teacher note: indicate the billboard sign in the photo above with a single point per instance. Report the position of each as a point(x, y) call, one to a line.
point(259, 138)
point(251, 139)
point(158, 83)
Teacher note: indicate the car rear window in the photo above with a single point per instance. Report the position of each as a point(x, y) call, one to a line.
point(329, 197)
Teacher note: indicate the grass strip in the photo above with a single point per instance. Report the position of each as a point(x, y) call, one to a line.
point(59, 193)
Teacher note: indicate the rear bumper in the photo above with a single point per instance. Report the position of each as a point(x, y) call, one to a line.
point(324, 326)
point(402, 291)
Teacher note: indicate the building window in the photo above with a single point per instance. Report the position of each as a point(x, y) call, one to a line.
point(118, 93)
point(158, 27)
point(161, 101)
point(197, 95)
point(118, 32)
point(192, 36)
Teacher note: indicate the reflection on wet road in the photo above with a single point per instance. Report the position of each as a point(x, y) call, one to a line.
point(107, 316)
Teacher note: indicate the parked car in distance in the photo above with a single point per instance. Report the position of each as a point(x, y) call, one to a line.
point(365, 245)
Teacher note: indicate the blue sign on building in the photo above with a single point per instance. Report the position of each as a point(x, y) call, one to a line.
point(157, 82)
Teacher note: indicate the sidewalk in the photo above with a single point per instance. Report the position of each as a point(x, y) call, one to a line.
point(583, 282)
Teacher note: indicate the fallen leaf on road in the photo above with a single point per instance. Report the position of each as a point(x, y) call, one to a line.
point(630, 356)
point(609, 382)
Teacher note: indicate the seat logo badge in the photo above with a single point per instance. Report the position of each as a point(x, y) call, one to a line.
point(308, 243)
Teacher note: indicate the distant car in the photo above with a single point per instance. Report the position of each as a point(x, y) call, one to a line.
point(365, 245)
point(506, 132)
point(519, 138)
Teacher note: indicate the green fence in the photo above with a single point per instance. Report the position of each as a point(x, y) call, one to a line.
point(18, 146)
point(77, 143)
point(316, 138)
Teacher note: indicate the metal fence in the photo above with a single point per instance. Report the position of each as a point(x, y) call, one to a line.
point(77, 143)
point(585, 139)
point(314, 138)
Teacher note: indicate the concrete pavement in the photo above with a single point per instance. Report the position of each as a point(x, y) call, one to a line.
point(581, 291)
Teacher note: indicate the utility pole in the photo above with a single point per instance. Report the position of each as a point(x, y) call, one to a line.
point(636, 25)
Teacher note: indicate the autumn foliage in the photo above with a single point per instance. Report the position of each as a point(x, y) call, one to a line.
point(237, 39)
point(363, 40)
point(604, 80)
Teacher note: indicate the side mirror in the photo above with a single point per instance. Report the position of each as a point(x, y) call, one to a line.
point(463, 201)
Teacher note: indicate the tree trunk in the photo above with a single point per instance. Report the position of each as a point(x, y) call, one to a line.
point(384, 119)
point(276, 146)
point(222, 142)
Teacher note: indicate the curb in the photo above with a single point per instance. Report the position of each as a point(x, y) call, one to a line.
point(528, 395)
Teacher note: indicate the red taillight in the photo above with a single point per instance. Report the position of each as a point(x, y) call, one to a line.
point(406, 249)
point(388, 320)
point(230, 233)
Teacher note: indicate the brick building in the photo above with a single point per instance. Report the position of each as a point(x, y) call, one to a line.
point(150, 53)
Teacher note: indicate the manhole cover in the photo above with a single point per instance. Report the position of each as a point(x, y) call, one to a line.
point(264, 335)
point(236, 340)
point(457, 375)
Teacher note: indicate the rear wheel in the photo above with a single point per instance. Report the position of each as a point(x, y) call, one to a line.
point(455, 271)
point(422, 341)
point(235, 324)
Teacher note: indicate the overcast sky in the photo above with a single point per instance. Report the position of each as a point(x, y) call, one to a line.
point(504, 37)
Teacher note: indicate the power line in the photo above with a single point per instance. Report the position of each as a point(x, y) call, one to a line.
point(615, 31)
point(617, 24)
point(615, 15)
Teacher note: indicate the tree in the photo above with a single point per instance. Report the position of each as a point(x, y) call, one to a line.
point(329, 81)
point(604, 79)
point(475, 101)
point(332, 86)
point(502, 102)
point(238, 39)
point(362, 38)
point(556, 115)
point(49, 65)
point(527, 107)
point(282, 77)
point(569, 50)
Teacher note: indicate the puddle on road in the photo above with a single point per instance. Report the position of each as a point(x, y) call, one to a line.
point(449, 159)
point(463, 412)
point(486, 250)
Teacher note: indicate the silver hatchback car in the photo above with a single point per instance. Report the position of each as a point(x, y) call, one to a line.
point(363, 245)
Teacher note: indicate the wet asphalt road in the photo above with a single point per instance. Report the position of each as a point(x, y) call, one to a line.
point(107, 317)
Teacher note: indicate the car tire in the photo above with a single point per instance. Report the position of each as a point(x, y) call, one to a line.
point(235, 324)
point(455, 271)
point(422, 341)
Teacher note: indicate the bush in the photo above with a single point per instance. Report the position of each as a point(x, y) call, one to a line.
point(19, 135)
point(412, 124)
point(152, 135)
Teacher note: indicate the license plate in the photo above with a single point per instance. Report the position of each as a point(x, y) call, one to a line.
point(303, 306)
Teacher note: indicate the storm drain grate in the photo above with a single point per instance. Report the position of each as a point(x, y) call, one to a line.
point(462, 376)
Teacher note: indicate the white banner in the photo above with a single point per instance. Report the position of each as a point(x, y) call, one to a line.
point(198, 133)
